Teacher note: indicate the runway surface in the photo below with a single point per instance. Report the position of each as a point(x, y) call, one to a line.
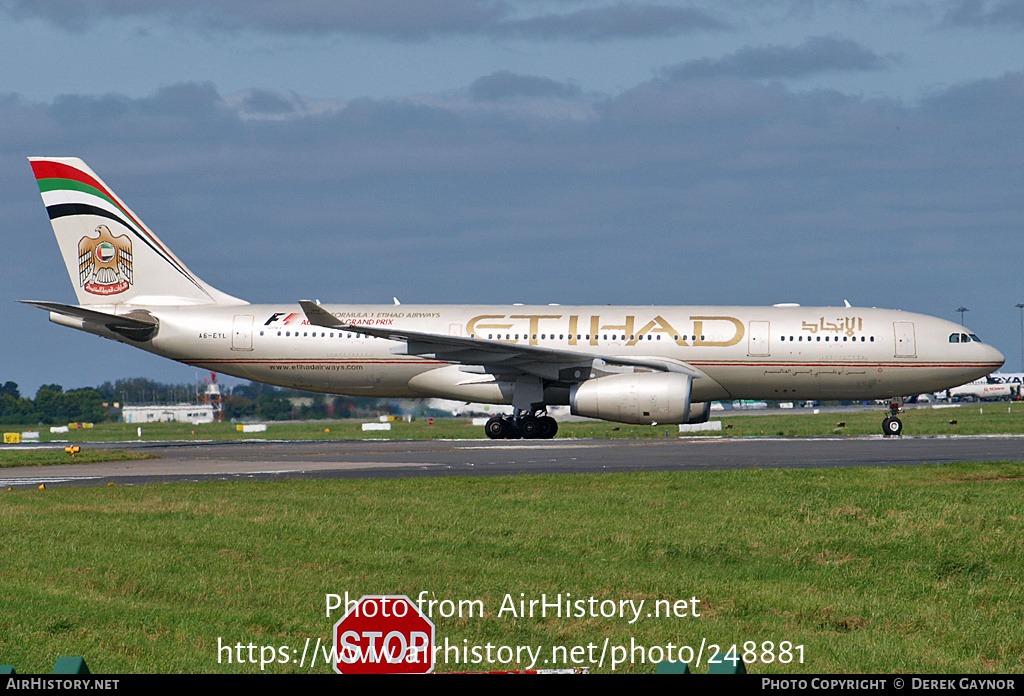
point(271, 460)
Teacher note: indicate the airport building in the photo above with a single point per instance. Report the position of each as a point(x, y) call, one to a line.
point(167, 413)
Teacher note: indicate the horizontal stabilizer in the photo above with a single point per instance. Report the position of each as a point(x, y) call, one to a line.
point(137, 325)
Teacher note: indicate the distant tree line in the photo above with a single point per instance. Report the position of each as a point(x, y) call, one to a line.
point(262, 401)
point(52, 405)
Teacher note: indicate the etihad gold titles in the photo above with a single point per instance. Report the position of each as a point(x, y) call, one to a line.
point(651, 365)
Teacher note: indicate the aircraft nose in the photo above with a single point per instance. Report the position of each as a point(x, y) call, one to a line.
point(994, 356)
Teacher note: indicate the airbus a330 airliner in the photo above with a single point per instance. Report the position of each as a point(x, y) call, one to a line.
point(646, 365)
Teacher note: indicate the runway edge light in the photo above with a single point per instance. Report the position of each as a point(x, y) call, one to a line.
point(669, 667)
point(70, 665)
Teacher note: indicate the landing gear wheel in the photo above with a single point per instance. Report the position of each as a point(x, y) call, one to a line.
point(548, 427)
point(892, 427)
point(496, 428)
point(514, 433)
point(529, 427)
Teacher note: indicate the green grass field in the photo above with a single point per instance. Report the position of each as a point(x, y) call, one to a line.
point(973, 419)
point(13, 458)
point(904, 569)
point(909, 569)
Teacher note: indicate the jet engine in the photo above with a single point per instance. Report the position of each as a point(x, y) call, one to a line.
point(638, 397)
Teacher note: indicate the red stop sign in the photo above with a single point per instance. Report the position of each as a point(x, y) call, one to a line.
point(384, 634)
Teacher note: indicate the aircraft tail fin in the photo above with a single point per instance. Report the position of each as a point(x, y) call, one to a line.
point(111, 256)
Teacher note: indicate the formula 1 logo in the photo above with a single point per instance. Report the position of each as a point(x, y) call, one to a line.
point(291, 318)
point(105, 262)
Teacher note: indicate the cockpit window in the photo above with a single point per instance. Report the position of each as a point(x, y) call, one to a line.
point(954, 338)
point(975, 338)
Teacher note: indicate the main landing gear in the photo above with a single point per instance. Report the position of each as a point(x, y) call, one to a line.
point(529, 426)
point(893, 426)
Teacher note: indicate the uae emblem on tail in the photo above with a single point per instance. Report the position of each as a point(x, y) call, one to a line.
point(105, 262)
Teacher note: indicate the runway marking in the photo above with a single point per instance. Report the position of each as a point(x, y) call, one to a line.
point(538, 445)
point(346, 465)
point(35, 481)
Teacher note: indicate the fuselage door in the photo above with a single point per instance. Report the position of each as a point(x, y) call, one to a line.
point(757, 341)
point(241, 332)
point(906, 344)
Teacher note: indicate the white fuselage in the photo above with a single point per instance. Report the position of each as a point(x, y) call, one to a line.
point(779, 353)
point(628, 364)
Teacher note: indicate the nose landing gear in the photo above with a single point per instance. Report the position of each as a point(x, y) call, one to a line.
point(893, 426)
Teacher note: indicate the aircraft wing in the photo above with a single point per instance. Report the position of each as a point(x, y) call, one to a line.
point(497, 356)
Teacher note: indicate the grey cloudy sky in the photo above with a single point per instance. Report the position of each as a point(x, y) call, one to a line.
point(730, 152)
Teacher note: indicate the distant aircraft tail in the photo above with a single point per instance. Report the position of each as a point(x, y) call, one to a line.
point(111, 256)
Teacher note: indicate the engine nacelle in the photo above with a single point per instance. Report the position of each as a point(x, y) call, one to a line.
point(700, 412)
point(639, 397)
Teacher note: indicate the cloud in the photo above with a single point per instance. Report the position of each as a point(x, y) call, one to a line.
point(980, 13)
point(262, 101)
point(622, 21)
point(399, 20)
point(816, 55)
point(507, 85)
point(718, 191)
